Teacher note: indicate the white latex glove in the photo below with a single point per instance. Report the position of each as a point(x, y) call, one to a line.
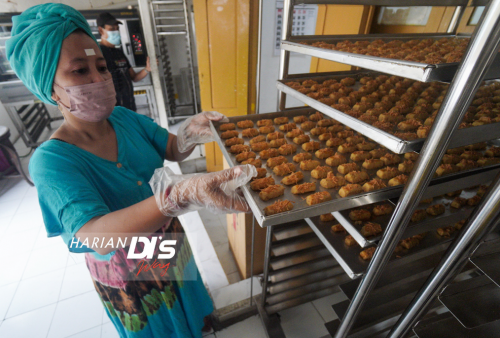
point(218, 192)
point(196, 130)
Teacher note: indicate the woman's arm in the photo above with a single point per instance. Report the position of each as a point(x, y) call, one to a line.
point(174, 195)
point(172, 153)
point(138, 219)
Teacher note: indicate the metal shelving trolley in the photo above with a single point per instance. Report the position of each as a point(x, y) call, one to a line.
point(167, 19)
point(404, 288)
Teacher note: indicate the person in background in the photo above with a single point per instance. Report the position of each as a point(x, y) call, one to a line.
point(118, 65)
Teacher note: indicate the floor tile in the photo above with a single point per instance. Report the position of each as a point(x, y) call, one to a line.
point(46, 260)
point(191, 222)
point(249, 328)
point(32, 324)
point(324, 305)
point(15, 189)
point(76, 281)
point(94, 332)
point(25, 221)
point(223, 221)
point(42, 241)
point(234, 293)
point(216, 233)
point(12, 245)
point(9, 208)
point(226, 258)
point(6, 294)
point(201, 246)
point(214, 274)
point(234, 277)
point(76, 314)
point(293, 320)
point(36, 292)
point(30, 201)
point(4, 223)
point(105, 318)
point(14, 266)
point(108, 331)
point(75, 258)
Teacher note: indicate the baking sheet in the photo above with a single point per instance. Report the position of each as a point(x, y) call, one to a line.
point(424, 72)
point(460, 137)
point(449, 217)
point(301, 210)
point(348, 257)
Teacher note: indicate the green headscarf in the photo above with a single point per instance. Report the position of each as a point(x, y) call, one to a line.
point(34, 48)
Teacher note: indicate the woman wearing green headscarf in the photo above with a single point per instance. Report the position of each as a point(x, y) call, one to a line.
point(91, 174)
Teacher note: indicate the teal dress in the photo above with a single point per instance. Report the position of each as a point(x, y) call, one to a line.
point(75, 186)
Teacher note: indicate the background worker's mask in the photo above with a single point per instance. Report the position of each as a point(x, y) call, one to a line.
point(114, 37)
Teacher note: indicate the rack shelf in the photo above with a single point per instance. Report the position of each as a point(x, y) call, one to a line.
point(412, 70)
point(460, 137)
point(449, 217)
point(487, 259)
point(482, 297)
point(446, 326)
point(301, 210)
point(348, 257)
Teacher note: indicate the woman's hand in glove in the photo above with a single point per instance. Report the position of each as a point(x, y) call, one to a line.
point(218, 192)
point(196, 130)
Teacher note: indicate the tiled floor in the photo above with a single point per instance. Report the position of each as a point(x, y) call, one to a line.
point(47, 292)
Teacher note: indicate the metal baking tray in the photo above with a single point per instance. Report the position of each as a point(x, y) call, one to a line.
point(482, 297)
point(301, 210)
point(449, 217)
point(460, 137)
point(348, 257)
point(487, 259)
point(445, 325)
point(409, 69)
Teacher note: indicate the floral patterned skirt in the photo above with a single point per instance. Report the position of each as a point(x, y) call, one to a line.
point(153, 303)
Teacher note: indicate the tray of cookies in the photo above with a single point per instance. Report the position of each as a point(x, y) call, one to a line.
point(395, 112)
point(366, 224)
point(355, 259)
point(309, 164)
point(421, 57)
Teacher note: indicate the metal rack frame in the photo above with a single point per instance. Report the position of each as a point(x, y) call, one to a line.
point(163, 18)
point(477, 59)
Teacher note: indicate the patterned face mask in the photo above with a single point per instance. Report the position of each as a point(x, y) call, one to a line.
point(91, 102)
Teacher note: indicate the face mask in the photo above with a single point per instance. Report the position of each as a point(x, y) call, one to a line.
point(114, 37)
point(91, 102)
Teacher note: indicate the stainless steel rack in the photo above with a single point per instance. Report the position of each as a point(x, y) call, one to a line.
point(460, 138)
point(409, 69)
point(301, 209)
point(479, 56)
point(449, 217)
point(169, 18)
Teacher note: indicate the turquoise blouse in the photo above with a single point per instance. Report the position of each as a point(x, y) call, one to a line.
point(75, 185)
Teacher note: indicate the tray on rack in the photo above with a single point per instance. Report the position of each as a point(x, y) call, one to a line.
point(449, 217)
point(301, 210)
point(460, 137)
point(348, 257)
point(425, 72)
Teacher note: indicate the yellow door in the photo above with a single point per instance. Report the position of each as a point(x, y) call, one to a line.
point(223, 38)
point(338, 20)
